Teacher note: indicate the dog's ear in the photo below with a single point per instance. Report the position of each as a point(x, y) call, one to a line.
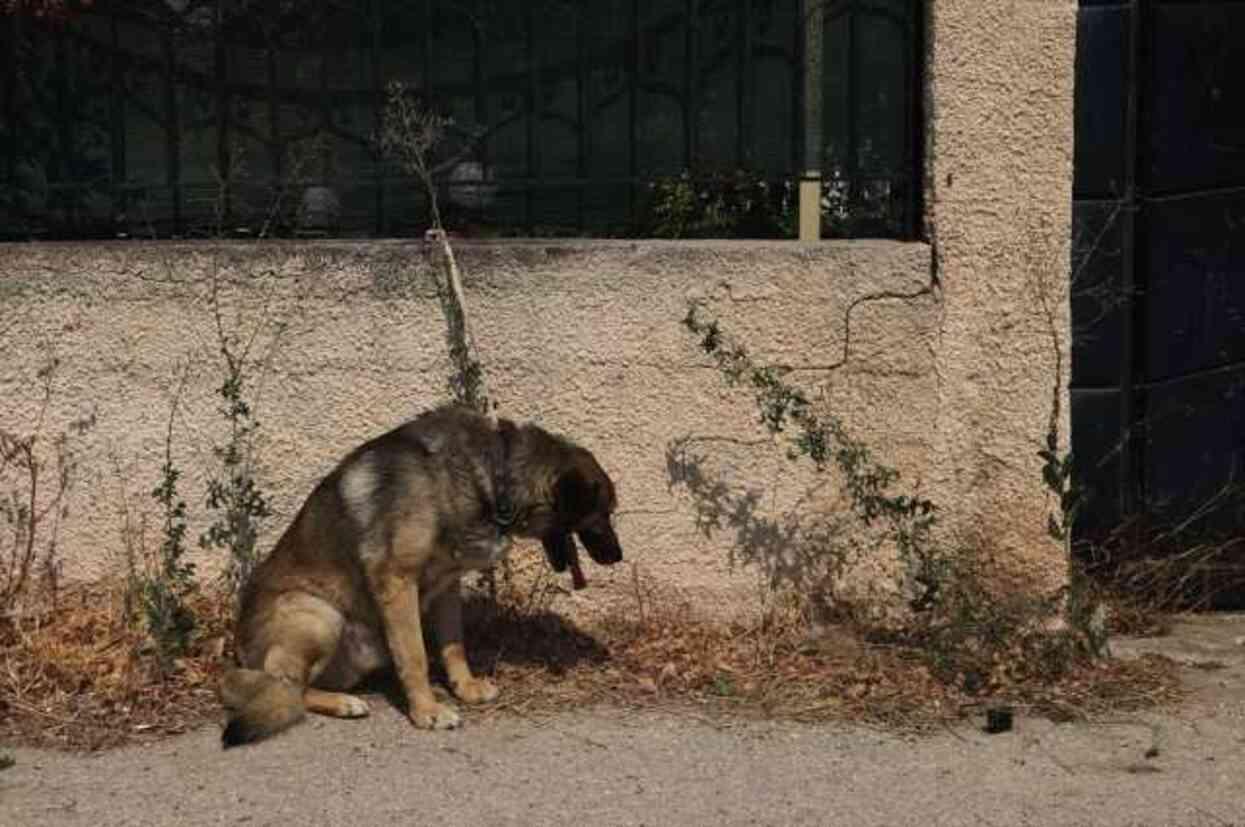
point(576, 496)
point(560, 549)
point(579, 495)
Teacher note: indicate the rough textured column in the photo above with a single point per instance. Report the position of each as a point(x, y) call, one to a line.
point(999, 210)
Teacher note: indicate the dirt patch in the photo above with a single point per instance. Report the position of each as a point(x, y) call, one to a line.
point(1209, 650)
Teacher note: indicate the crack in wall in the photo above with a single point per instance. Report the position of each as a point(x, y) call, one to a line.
point(758, 299)
point(647, 512)
point(881, 295)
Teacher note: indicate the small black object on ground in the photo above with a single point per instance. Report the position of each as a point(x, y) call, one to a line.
point(998, 719)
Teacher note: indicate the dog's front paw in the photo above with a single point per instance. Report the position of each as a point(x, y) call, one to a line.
point(353, 707)
point(436, 716)
point(476, 691)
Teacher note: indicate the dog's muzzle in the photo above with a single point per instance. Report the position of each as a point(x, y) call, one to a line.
point(603, 546)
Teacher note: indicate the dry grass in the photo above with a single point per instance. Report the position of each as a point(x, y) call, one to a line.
point(1149, 568)
point(1136, 616)
point(76, 676)
point(774, 669)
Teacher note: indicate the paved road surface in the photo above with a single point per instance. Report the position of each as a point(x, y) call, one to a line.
point(613, 767)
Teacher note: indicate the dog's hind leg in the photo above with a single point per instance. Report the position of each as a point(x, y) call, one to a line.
point(315, 657)
point(290, 648)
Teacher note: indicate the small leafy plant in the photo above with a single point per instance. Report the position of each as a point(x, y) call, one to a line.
point(233, 494)
point(162, 593)
point(970, 632)
point(159, 585)
point(739, 205)
point(1057, 474)
point(239, 503)
point(409, 134)
point(825, 440)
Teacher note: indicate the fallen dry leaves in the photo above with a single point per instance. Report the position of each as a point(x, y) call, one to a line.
point(75, 675)
point(776, 672)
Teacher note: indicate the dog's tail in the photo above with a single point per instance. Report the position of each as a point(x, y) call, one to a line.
point(259, 705)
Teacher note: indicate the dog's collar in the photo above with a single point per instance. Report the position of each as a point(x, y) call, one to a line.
point(505, 512)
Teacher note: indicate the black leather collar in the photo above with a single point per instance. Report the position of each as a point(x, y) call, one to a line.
point(505, 510)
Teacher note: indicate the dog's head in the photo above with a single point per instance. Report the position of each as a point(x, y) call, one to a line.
point(583, 502)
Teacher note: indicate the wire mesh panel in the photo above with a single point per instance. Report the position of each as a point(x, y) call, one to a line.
point(584, 117)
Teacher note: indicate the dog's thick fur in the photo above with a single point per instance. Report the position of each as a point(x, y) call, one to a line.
point(384, 538)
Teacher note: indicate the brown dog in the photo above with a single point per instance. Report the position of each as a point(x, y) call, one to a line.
point(384, 539)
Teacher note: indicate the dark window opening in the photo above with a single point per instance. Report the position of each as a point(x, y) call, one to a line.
point(608, 118)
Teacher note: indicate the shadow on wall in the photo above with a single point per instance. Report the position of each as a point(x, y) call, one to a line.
point(803, 548)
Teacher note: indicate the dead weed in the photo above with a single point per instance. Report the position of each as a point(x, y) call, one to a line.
point(775, 669)
point(74, 675)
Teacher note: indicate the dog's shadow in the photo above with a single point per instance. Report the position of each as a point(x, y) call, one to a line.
point(525, 637)
point(497, 635)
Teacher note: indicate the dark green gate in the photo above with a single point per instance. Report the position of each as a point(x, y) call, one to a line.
point(1158, 385)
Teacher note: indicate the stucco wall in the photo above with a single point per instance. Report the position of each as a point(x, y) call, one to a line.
point(999, 204)
point(956, 349)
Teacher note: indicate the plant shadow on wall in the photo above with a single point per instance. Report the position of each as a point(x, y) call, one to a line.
point(904, 521)
point(804, 552)
point(955, 616)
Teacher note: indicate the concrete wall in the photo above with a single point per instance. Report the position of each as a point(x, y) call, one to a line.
point(946, 356)
point(999, 210)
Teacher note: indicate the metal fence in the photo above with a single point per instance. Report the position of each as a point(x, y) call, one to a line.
point(1158, 290)
point(571, 117)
